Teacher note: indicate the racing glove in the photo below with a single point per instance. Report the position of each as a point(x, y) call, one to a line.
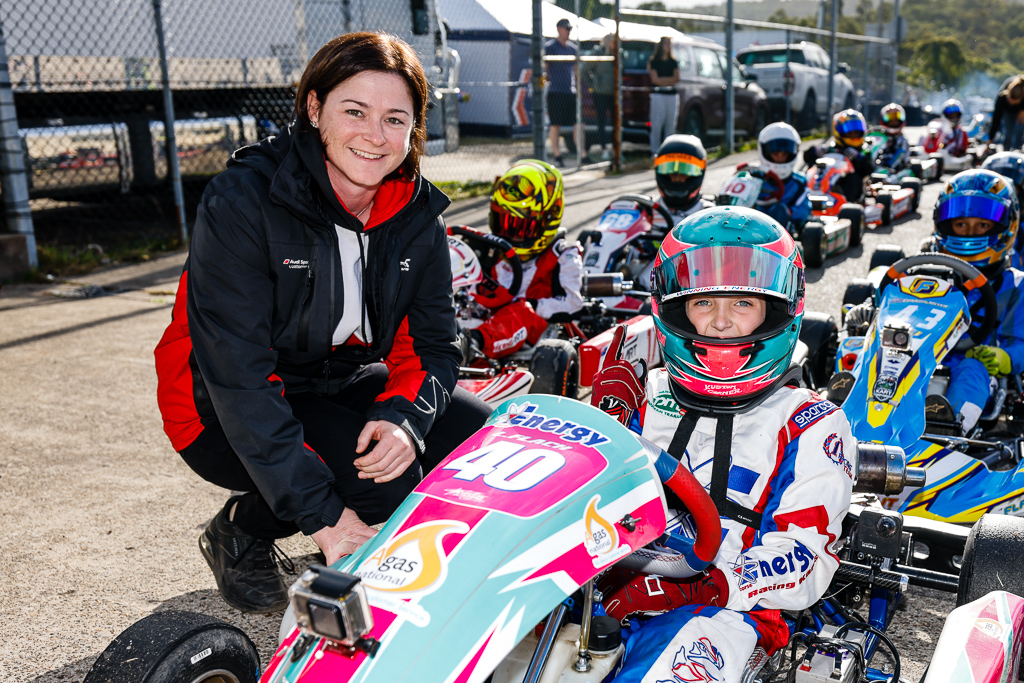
point(491, 294)
point(851, 153)
point(995, 360)
point(619, 386)
point(627, 593)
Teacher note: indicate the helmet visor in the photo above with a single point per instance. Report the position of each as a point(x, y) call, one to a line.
point(516, 230)
point(726, 269)
point(772, 147)
point(973, 206)
point(893, 118)
point(682, 164)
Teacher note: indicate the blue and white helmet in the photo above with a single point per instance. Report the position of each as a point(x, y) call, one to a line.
point(978, 193)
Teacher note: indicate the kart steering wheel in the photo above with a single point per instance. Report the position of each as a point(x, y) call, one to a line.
point(699, 552)
point(651, 206)
point(485, 240)
point(970, 278)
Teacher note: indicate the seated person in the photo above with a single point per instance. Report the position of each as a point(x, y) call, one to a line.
point(679, 169)
point(895, 154)
point(776, 458)
point(1010, 165)
point(526, 210)
point(777, 147)
point(848, 131)
point(955, 141)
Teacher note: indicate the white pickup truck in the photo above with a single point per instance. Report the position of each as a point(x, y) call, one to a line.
point(805, 82)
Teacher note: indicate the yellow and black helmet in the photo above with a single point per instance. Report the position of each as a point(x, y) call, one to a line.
point(526, 206)
point(849, 128)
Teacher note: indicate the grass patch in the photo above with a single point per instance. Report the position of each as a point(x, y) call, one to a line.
point(62, 261)
point(456, 189)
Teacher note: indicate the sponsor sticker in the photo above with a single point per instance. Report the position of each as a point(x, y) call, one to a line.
point(885, 388)
point(812, 413)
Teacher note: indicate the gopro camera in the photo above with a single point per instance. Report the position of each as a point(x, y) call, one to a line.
point(897, 336)
point(333, 605)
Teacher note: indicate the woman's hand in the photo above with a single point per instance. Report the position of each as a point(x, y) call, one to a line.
point(391, 456)
point(344, 538)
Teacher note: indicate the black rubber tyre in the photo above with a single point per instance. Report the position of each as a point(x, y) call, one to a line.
point(917, 169)
point(820, 333)
point(915, 185)
point(886, 255)
point(885, 201)
point(858, 291)
point(855, 212)
point(693, 124)
point(178, 647)
point(809, 114)
point(813, 240)
point(992, 558)
point(555, 365)
point(940, 164)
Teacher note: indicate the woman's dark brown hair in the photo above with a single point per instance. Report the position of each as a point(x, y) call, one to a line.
point(353, 53)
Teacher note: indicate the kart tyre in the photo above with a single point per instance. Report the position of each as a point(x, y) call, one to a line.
point(992, 558)
point(858, 291)
point(814, 243)
point(885, 201)
point(854, 212)
point(940, 167)
point(885, 255)
point(917, 169)
point(555, 365)
point(915, 185)
point(178, 647)
point(821, 335)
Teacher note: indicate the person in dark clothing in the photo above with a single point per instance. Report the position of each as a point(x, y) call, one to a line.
point(848, 130)
point(561, 94)
point(312, 358)
point(664, 72)
point(1009, 114)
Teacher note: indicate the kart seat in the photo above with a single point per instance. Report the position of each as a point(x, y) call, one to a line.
point(839, 386)
point(940, 418)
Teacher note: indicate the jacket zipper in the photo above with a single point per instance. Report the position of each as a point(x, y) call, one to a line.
point(307, 304)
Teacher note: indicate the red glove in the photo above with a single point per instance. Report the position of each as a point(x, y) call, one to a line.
point(492, 295)
point(626, 593)
point(619, 385)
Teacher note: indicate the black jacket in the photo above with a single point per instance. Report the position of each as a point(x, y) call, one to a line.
point(265, 295)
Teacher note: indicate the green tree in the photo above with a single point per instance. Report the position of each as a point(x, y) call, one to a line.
point(939, 58)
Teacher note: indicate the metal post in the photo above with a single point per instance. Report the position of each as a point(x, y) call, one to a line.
point(547, 640)
point(537, 80)
point(582, 664)
point(866, 79)
point(617, 114)
point(730, 102)
point(301, 39)
point(787, 89)
point(13, 177)
point(895, 48)
point(172, 145)
point(578, 130)
point(832, 59)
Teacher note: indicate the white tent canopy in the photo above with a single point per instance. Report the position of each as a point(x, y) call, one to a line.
point(514, 16)
point(631, 31)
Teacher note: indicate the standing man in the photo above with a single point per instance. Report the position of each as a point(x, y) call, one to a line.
point(562, 91)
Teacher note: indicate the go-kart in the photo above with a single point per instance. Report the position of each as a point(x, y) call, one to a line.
point(486, 573)
point(568, 353)
point(839, 224)
point(931, 147)
point(924, 170)
point(884, 380)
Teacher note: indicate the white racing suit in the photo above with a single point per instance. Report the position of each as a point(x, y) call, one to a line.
point(791, 461)
point(659, 220)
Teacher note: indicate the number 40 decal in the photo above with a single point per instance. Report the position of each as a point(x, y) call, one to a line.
point(506, 466)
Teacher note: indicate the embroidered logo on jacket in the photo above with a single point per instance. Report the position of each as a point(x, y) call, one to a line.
point(833, 447)
point(697, 664)
point(404, 263)
point(293, 263)
point(812, 413)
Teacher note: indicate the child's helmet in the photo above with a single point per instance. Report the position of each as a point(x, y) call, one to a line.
point(893, 117)
point(978, 193)
point(778, 137)
point(679, 170)
point(1011, 166)
point(526, 206)
point(849, 128)
point(727, 250)
point(953, 110)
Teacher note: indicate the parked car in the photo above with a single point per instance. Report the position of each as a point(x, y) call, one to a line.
point(803, 79)
point(702, 64)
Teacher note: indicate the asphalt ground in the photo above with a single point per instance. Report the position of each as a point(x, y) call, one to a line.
point(99, 518)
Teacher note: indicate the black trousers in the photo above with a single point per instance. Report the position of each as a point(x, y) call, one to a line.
point(331, 426)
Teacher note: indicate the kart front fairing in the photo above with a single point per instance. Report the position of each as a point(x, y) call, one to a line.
point(494, 538)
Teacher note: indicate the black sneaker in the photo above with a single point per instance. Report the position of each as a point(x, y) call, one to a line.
point(244, 566)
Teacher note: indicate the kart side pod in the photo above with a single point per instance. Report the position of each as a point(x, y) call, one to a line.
point(883, 470)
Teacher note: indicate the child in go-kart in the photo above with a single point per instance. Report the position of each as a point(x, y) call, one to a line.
point(679, 169)
point(728, 301)
point(1010, 165)
point(976, 219)
point(955, 141)
point(848, 130)
point(777, 148)
point(895, 154)
point(526, 210)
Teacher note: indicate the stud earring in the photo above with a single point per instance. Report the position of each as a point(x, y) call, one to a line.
point(313, 123)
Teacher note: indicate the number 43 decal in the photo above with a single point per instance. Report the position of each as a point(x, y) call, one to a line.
point(506, 466)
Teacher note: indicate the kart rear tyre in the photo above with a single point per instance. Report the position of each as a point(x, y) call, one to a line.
point(885, 201)
point(172, 647)
point(555, 365)
point(918, 170)
point(915, 185)
point(858, 291)
point(820, 333)
point(992, 558)
point(885, 255)
point(814, 243)
point(854, 212)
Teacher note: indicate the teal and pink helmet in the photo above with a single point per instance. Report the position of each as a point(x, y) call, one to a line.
point(727, 250)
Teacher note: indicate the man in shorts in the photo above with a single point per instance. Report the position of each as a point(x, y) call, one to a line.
point(562, 90)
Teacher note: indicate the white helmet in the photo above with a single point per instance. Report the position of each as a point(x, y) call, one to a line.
point(778, 137)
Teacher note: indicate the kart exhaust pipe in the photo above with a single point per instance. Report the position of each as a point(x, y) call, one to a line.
point(883, 469)
point(605, 284)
